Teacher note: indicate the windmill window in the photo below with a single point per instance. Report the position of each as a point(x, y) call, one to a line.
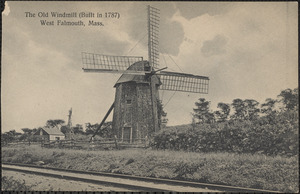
point(128, 101)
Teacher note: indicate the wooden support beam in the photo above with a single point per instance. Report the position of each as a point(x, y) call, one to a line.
point(104, 119)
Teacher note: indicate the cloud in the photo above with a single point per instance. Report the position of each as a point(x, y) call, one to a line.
point(249, 56)
point(196, 9)
point(170, 32)
point(42, 72)
point(171, 38)
point(216, 46)
point(249, 50)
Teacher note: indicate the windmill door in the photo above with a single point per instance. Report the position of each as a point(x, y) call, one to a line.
point(127, 134)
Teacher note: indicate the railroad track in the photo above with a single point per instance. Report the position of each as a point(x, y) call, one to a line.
point(127, 181)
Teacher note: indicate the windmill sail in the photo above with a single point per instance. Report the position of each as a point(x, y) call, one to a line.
point(110, 64)
point(136, 112)
point(183, 82)
point(153, 30)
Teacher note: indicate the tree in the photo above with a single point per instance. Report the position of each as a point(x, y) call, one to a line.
point(7, 137)
point(27, 130)
point(238, 107)
point(10, 136)
point(54, 123)
point(64, 129)
point(222, 115)
point(162, 115)
point(251, 109)
point(105, 131)
point(27, 134)
point(290, 99)
point(202, 113)
point(268, 107)
point(78, 129)
point(245, 109)
point(90, 129)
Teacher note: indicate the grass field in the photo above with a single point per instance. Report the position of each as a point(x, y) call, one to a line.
point(245, 170)
point(10, 184)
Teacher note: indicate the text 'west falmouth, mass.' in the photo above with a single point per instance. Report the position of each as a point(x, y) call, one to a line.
point(72, 18)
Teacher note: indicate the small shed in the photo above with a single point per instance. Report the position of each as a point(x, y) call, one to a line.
point(50, 134)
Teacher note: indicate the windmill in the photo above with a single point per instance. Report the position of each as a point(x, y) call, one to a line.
point(135, 106)
point(70, 132)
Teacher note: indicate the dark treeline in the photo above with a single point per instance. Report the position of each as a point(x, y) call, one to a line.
point(242, 126)
point(247, 109)
point(79, 132)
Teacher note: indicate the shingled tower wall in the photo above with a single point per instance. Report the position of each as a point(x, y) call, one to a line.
point(134, 116)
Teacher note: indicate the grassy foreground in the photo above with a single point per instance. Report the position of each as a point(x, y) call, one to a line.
point(9, 184)
point(245, 170)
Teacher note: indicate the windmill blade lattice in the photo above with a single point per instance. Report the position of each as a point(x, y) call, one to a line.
point(110, 64)
point(153, 31)
point(183, 82)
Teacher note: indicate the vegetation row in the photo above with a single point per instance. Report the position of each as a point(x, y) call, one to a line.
point(270, 129)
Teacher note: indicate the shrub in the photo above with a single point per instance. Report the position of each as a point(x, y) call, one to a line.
point(270, 135)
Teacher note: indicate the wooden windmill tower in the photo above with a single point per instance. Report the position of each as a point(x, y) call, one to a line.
point(135, 106)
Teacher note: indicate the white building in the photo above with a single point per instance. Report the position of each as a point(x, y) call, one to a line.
point(50, 134)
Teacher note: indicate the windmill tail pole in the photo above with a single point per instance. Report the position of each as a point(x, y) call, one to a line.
point(103, 120)
point(160, 70)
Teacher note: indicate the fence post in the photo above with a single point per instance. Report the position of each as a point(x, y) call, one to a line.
point(147, 142)
point(116, 143)
point(60, 144)
point(92, 144)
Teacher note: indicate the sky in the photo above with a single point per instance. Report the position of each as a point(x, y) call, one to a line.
point(249, 50)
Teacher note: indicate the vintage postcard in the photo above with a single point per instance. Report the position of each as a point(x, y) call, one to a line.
point(149, 96)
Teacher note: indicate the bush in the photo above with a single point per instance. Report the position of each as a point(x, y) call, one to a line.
point(270, 135)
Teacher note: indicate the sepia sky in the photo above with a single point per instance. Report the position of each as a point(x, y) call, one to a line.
point(249, 50)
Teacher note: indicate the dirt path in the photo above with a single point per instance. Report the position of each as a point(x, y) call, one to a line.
point(41, 183)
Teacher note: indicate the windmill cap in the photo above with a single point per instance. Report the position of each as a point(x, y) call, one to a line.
point(138, 66)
